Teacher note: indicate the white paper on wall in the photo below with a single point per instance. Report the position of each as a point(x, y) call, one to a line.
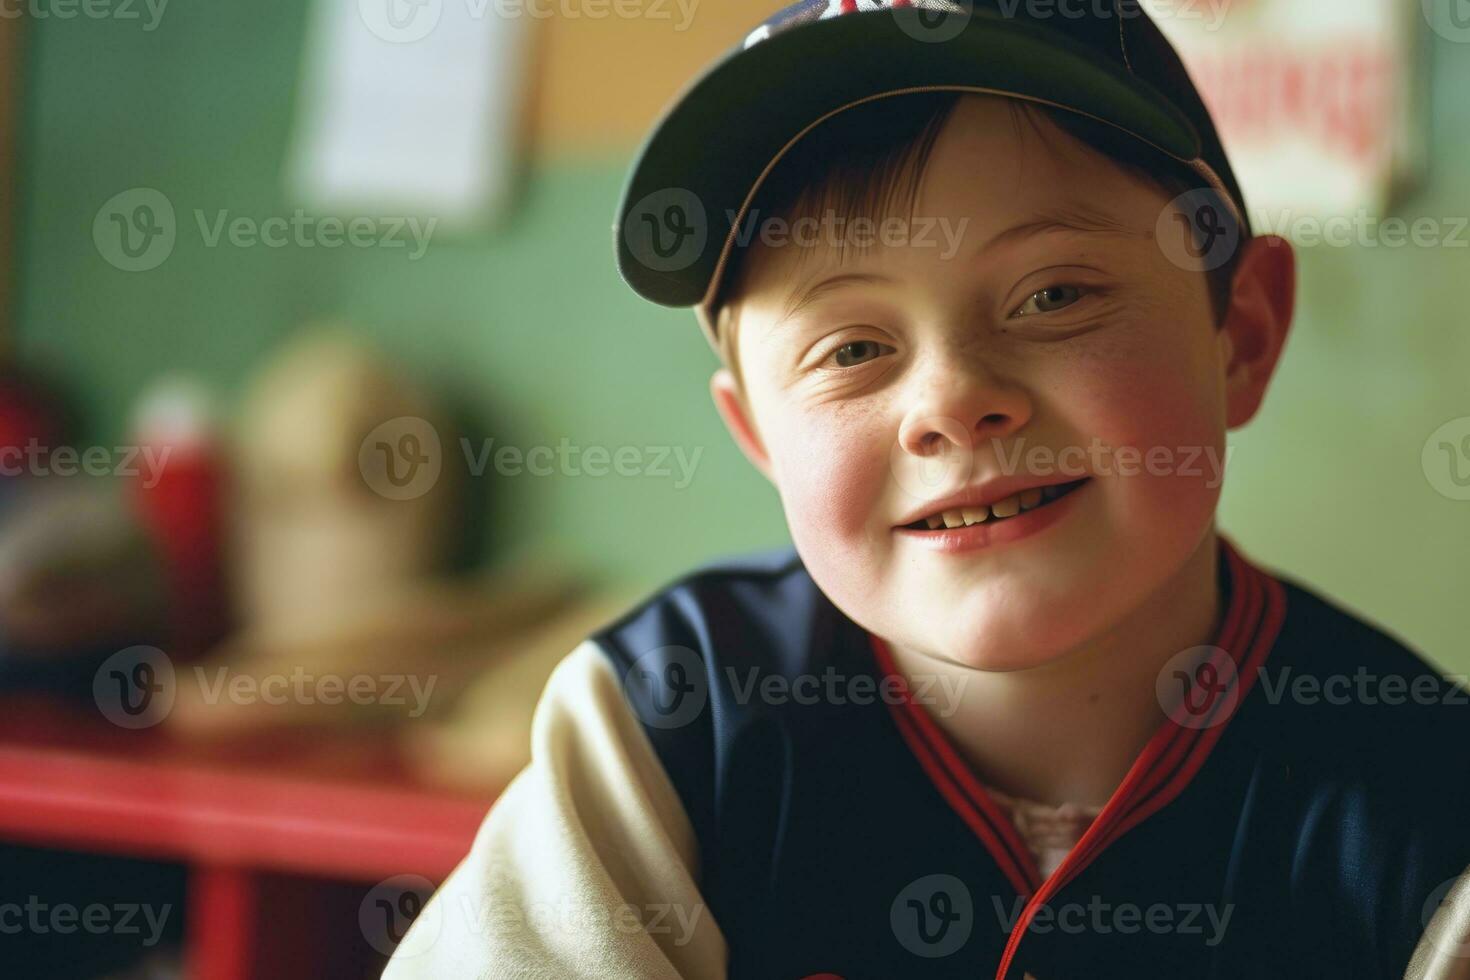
point(409, 108)
point(1320, 106)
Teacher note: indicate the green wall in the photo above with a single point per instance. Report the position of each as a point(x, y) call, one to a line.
point(530, 326)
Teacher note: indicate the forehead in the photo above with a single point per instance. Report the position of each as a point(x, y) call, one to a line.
point(997, 157)
point(996, 165)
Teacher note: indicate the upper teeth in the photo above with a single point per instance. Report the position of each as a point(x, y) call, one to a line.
point(1009, 507)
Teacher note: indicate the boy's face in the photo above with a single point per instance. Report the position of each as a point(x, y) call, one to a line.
point(1056, 333)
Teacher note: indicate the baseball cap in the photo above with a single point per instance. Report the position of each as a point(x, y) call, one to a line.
point(695, 176)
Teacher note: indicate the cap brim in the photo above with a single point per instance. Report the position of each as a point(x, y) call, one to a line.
point(697, 171)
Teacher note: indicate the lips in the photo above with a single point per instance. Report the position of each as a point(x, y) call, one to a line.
point(959, 514)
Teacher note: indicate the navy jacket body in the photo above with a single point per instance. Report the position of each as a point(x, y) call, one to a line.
point(1304, 824)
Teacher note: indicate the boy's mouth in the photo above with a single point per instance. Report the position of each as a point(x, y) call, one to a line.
point(1000, 511)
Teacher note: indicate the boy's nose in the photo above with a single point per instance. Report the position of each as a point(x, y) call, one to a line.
point(962, 413)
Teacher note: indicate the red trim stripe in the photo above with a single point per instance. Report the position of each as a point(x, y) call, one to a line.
point(964, 777)
point(1274, 613)
point(954, 780)
point(1257, 608)
point(982, 824)
point(1167, 764)
point(1239, 620)
point(1167, 753)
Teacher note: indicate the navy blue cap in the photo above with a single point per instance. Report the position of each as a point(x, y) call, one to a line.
point(695, 176)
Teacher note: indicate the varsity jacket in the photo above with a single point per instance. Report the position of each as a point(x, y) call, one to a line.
point(732, 780)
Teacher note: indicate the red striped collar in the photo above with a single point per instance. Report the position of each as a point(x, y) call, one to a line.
point(1162, 770)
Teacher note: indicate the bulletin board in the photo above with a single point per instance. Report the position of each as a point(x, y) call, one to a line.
point(603, 82)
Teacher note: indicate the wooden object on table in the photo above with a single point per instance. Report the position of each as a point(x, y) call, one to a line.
point(408, 654)
point(485, 738)
point(321, 524)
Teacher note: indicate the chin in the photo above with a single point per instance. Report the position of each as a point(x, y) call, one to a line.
point(1005, 640)
point(1003, 649)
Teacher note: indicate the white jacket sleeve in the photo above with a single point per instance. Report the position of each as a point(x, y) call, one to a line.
point(586, 866)
point(1443, 952)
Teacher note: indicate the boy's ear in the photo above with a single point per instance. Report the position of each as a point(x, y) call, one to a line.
point(1256, 325)
point(732, 408)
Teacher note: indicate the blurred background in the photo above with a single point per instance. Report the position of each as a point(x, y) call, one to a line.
point(328, 425)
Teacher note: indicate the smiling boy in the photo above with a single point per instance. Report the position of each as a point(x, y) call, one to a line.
point(1051, 734)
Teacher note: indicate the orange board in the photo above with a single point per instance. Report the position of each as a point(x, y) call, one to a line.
point(601, 82)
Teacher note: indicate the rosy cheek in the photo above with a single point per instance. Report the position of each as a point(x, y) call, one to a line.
point(1155, 403)
point(831, 476)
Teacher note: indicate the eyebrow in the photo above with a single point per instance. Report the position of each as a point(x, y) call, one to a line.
point(804, 299)
point(1074, 220)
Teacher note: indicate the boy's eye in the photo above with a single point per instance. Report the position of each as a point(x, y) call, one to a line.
point(1049, 300)
point(858, 352)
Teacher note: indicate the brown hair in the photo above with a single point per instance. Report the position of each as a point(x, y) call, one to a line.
point(871, 158)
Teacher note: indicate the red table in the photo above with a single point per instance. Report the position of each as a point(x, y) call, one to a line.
point(283, 835)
